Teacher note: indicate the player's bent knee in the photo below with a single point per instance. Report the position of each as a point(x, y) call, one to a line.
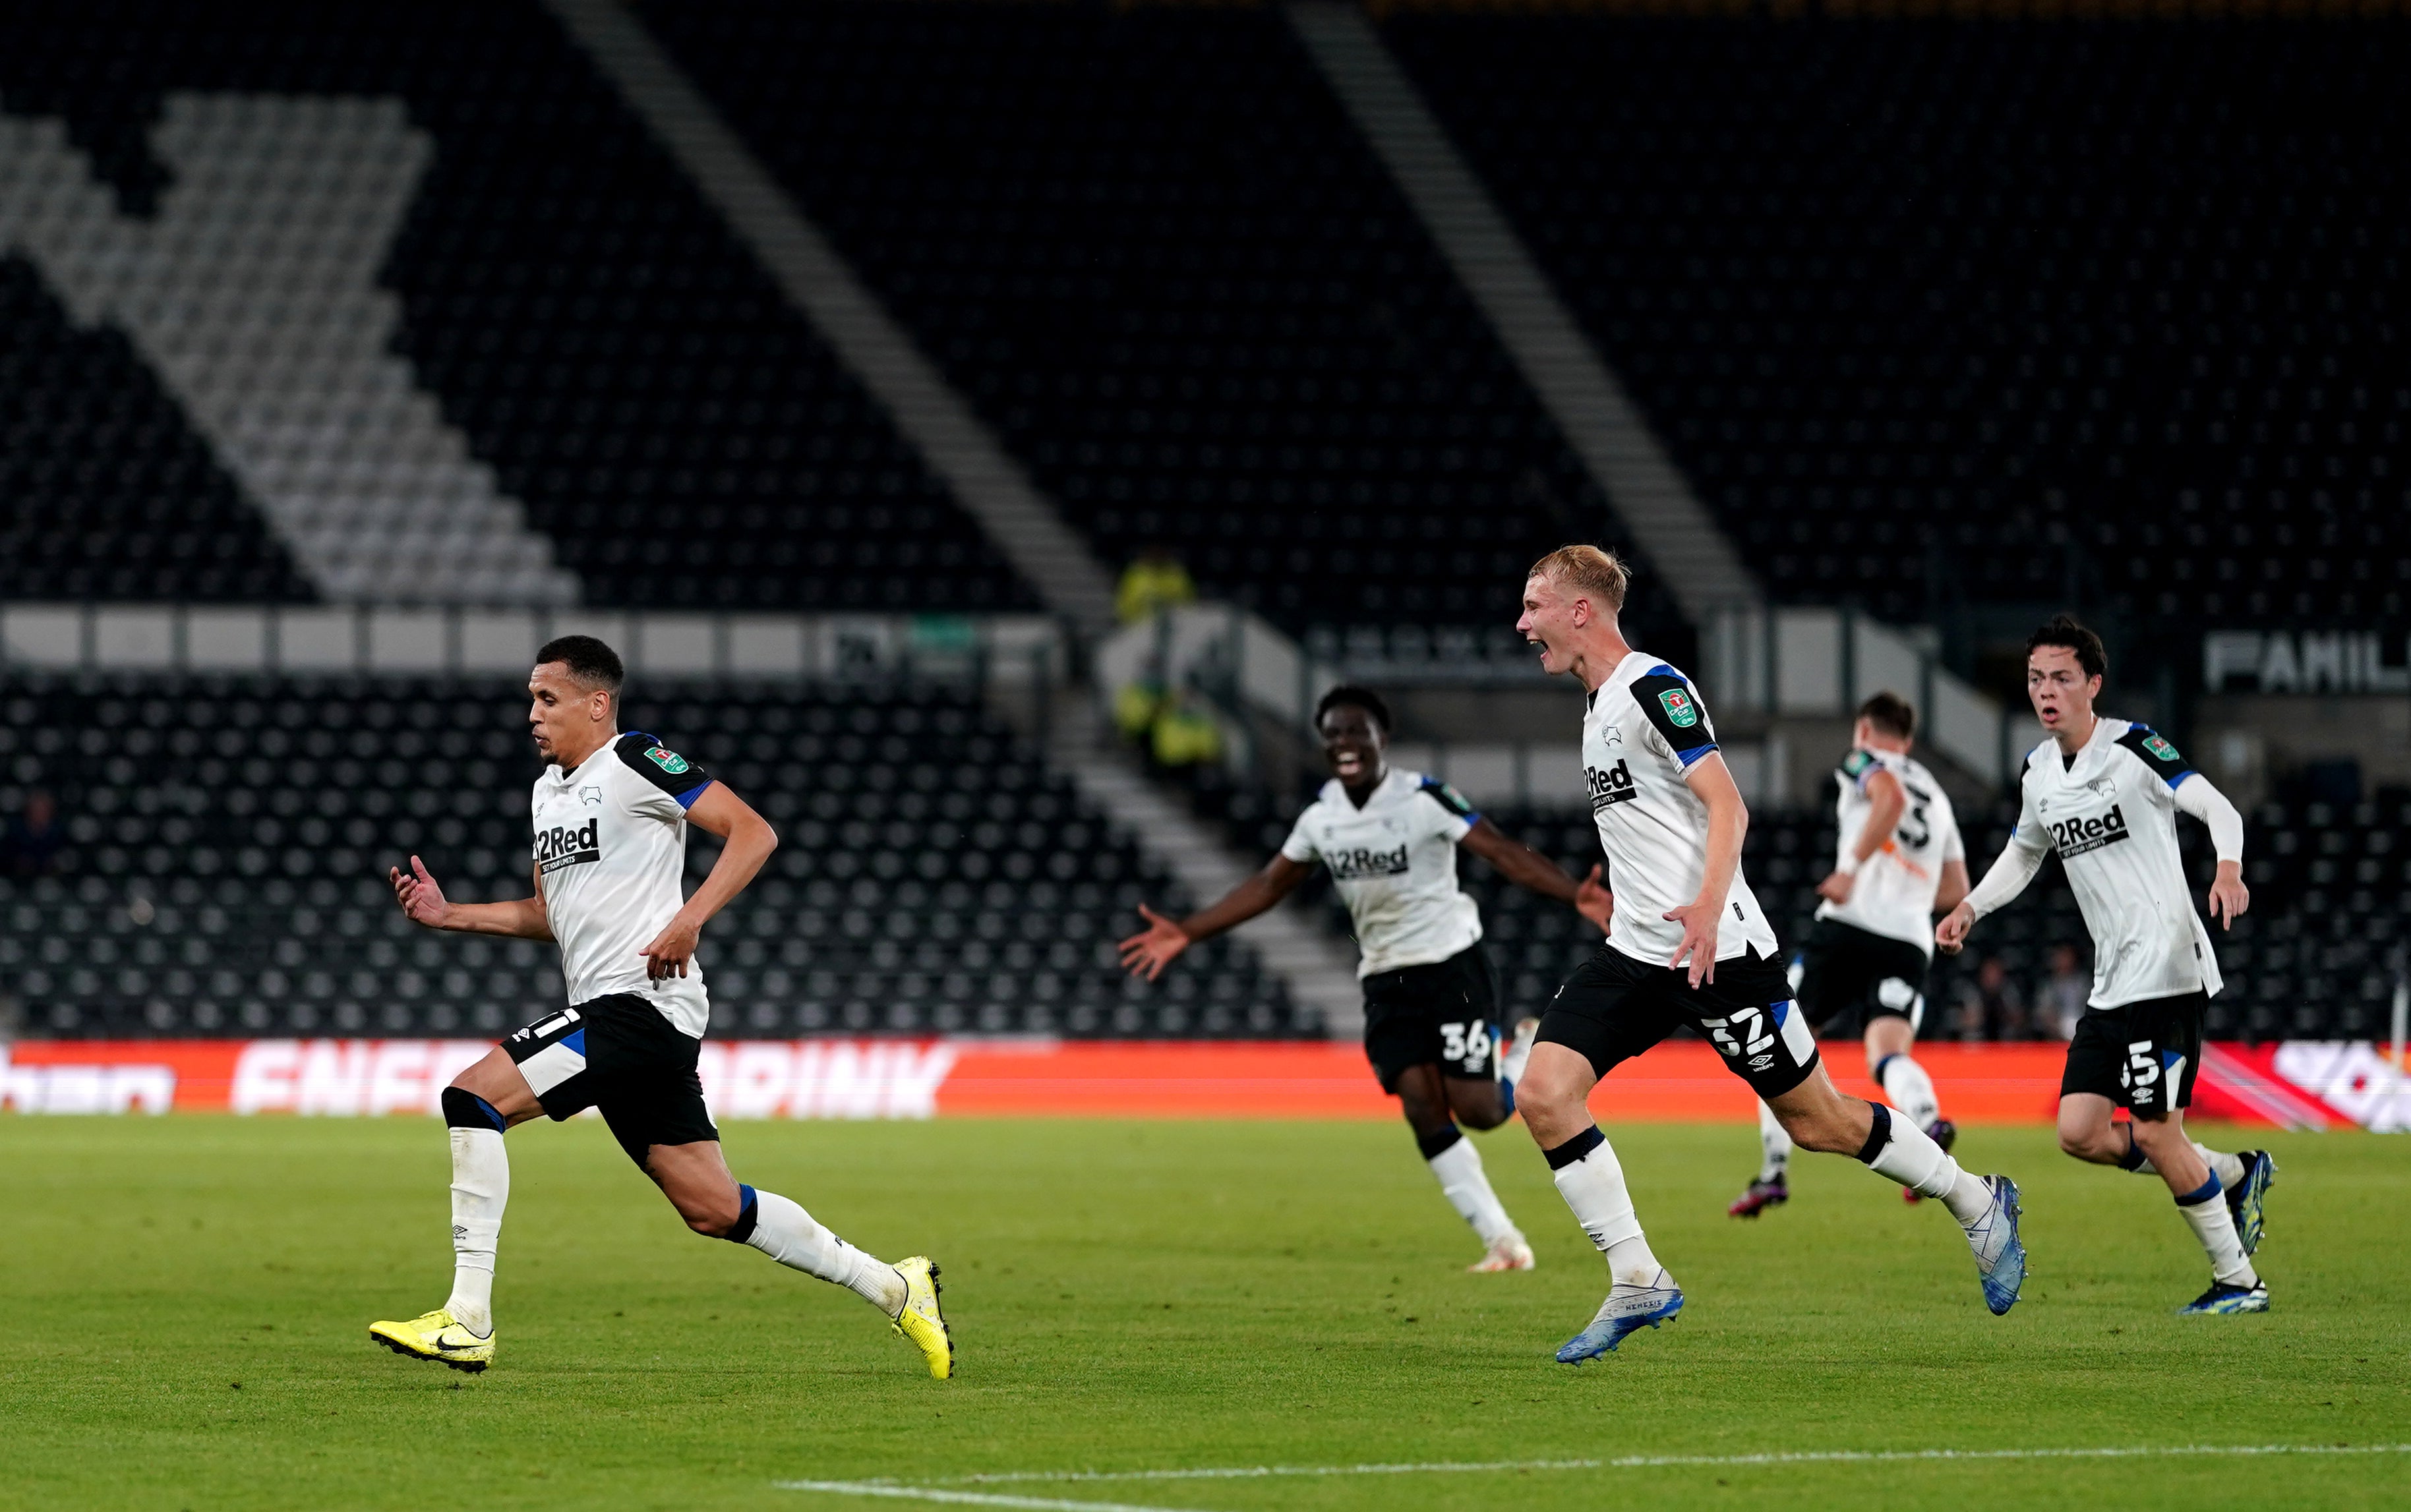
point(712, 1221)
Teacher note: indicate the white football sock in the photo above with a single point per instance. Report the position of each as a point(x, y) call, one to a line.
point(1773, 1145)
point(481, 1185)
point(789, 1235)
point(1908, 1087)
point(1463, 1182)
point(1910, 1158)
point(2206, 1210)
point(2228, 1168)
point(1594, 1187)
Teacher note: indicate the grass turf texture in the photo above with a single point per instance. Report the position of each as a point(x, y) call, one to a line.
point(1155, 1295)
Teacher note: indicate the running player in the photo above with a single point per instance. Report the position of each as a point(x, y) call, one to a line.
point(2105, 794)
point(1688, 945)
point(1431, 1014)
point(610, 815)
point(1900, 861)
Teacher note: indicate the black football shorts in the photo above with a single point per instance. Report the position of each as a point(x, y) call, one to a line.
point(1444, 1014)
point(1844, 970)
point(617, 1053)
point(1612, 1008)
point(2142, 1056)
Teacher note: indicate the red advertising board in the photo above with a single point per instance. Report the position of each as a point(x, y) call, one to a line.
point(2300, 1084)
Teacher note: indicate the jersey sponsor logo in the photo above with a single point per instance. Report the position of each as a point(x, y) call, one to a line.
point(667, 760)
point(2161, 748)
point(2075, 836)
point(1679, 708)
point(1362, 862)
point(568, 844)
point(1613, 786)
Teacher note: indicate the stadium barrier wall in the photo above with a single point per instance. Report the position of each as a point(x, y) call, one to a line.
point(2298, 1084)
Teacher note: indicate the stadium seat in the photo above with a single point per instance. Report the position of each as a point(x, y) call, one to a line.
point(1150, 248)
point(2089, 313)
point(228, 839)
point(625, 367)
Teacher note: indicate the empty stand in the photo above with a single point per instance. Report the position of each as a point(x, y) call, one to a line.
point(624, 369)
point(2008, 311)
point(228, 840)
point(106, 490)
point(1149, 247)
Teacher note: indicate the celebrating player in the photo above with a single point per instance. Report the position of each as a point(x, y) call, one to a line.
point(2105, 795)
point(1431, 1017)
point(1688, 944)
point(1901, 861)
point(610, 815)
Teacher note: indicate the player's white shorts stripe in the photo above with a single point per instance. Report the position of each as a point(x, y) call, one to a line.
point(1800, 1039)
point(552, 1065)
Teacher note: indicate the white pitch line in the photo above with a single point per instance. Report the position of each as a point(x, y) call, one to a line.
point(1643, 1461)
point(1633, 1461)
point(933, 1493)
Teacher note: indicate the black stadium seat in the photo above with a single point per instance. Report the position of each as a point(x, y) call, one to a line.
point(1936, 310)
point(607, 346)
point(1149, 246)
point(228, 840)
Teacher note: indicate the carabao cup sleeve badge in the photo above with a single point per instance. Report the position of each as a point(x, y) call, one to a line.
point(1679, 708)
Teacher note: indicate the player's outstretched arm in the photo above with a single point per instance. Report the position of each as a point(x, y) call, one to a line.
point(1886, 800)
point(2228, 897)
point(423, 903)
point(750, 840)
point(2007, 878)
point(1712, 783)
point(1527, 868)
point(1148, 953)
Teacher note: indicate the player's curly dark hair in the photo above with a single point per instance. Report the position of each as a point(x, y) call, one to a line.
point(1363, 698)
point(2063, 630)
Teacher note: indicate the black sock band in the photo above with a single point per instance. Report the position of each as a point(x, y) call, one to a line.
point(1574, 1149)
point(1438, 1139)
point(1876, 1074)
point(463, 1108)
point(749, 1212)
point(2134, 1158)
point(1878, 1137)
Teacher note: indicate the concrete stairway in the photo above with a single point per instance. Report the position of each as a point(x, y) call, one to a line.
point(1319, 971)
point(937, 420)
point(1573, 381)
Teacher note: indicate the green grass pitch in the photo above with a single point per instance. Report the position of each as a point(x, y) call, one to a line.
point(190, 1297)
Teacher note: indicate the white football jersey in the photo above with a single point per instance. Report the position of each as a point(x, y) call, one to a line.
point(1643, 728)
point(1393, 862)
point(1894, 893)
point(2113, 818)
point(610, 851)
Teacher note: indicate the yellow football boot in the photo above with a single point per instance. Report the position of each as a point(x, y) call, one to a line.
point(439, 1335)
point(921, 1321)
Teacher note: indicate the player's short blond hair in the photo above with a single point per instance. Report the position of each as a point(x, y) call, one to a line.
point(1588, 570)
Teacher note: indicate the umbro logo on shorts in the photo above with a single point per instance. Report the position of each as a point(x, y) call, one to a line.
point(1613, 786)
point(2074, 837)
